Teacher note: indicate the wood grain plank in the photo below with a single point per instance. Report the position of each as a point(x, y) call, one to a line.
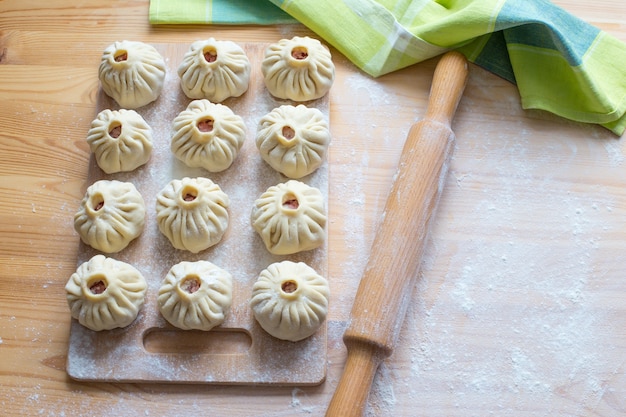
point(95, 38)
point(48, 84)
point(508, 318)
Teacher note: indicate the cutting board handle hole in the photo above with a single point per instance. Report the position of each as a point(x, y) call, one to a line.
point(220, 341)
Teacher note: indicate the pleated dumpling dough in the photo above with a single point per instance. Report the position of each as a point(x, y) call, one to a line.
point(290, 300)
point(196, 295)
point(298, 69)
point(214, 70)
point(207, 135)
point(290, 217)
point(293, 139)
point(120, 140)
point(192, 213)
point(111, 214)
point(105, 293)
point(132, 73)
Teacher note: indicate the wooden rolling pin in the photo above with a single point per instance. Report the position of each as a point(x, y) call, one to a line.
point(389, 278)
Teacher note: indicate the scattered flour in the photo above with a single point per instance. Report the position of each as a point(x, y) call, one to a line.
point(511, 306)
point(513, 313)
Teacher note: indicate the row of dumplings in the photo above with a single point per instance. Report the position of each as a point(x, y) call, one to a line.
point(298, 69)
point(192, 213)
point(289, 300)
point(293, 140)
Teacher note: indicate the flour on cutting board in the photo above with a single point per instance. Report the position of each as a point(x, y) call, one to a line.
point(149, 349)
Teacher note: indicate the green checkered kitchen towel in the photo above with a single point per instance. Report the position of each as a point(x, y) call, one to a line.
point(559, 63)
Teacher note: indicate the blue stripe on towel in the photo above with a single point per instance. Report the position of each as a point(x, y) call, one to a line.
point(547, 26)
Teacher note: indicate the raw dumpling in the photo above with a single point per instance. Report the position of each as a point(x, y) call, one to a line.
point(111, 214)
point(192, 213)
point(132, 73)
point(196, 295)
point(290, 300)
point(290, 217)
point(105, 293)
point(298, 69)
point(215, 70)
point(293, 140)
point(207, 135)
point(120, 140)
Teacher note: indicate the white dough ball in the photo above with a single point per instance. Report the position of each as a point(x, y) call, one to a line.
point(132, 73)
point(111, 214)
point(290, 300)
point(298, 69)
point(293, 140)
point(195, 295)
point(290, 217)
point(214, 70)
point(192, 213)
point(105, 293)
point(120, 140)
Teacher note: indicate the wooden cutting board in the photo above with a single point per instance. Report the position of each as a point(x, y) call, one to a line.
point(238, 351)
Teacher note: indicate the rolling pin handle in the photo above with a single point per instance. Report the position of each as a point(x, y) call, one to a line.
point(447, 87)
point(350, 398)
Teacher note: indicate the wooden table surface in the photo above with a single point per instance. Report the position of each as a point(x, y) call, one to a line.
point(520, 308)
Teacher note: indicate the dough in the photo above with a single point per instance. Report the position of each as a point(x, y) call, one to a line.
point(298, 69)
point(293, 140)
point(121, 140)
point(290, 218)
point(132, 73)
point(290, 300)
point(207, 135)
point(105, 293)
point(215, 70)
point(192, 213)
point(111, 214)
point(195, 295)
